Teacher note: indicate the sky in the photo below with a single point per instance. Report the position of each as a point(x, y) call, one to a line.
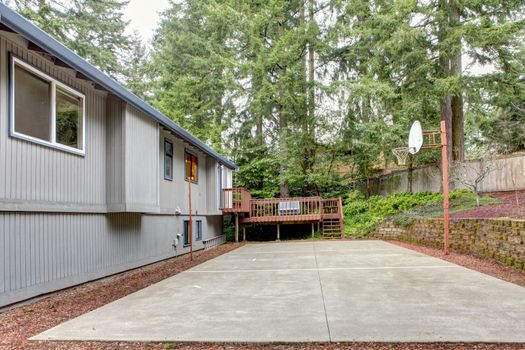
point(144, 16)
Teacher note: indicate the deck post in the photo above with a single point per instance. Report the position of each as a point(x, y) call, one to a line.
point(278, 232)
point(313, 230)
point(244, 233)
point(236, 228)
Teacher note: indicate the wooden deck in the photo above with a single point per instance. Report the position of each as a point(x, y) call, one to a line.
point(326, 211)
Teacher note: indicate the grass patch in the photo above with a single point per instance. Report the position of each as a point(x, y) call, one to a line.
point(362, 216)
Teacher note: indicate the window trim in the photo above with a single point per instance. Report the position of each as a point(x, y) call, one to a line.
point(186, 150)
point(220, 180)
point(198, 224)
point(168, 178)
point(15, 61)
point(184, 244)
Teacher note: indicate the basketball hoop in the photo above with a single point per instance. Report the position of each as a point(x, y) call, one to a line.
point(401, 154)
point(418, 139)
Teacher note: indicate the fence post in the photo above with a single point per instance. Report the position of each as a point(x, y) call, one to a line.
point(236, 228)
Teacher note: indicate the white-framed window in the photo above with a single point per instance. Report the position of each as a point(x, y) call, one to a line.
point(168, 160)
point(186, 232)
point(199, 230)
point(220, 186)
point(192, 166)
point(44, 110)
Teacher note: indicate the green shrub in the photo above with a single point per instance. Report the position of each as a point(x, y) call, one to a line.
point(362, 215)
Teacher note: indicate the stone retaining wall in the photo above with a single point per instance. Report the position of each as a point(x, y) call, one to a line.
point(499, 239)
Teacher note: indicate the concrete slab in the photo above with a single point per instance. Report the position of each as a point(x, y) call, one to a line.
point(313, 291)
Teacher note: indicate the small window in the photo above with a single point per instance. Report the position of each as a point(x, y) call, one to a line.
point(186, 233)
point(220, 195)
point(199, 230)
point(192, 166)
point(168, 160)
point(44, 110)
point(32, 105)
point(69, 114)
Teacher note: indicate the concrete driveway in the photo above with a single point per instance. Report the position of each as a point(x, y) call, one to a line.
point(313, 291)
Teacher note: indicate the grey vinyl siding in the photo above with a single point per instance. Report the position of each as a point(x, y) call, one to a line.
point(141, 162)
point(212, 185)
point(175, 194)
point(35, 177)
point(115, 137)
point(66, 219)
point(42, 252)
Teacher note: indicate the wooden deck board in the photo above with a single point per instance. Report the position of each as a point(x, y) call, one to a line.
point(280, 218)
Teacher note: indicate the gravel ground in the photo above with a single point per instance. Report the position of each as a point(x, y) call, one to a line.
point(512, 206)
point(22, 322)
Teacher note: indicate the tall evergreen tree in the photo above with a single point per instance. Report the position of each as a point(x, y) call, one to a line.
point(194, 62)
point(94, 29)
point(136, 74)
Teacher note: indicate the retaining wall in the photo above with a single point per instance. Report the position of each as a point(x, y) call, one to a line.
point(500, 239)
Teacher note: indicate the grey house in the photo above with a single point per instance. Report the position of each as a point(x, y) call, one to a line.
point(93, 180)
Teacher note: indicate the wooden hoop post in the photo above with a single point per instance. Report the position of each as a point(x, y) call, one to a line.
point(444, 160)
point(191, 222)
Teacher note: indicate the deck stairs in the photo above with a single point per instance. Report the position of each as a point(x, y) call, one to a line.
point(332, 218)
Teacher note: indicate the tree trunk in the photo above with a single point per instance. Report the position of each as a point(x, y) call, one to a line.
point(444, 63)
point(283, 145)
point(259, 138)
point(410, 172)
point(458, 138)
point(311, 90)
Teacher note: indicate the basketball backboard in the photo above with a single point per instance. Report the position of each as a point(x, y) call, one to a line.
point(415, 138)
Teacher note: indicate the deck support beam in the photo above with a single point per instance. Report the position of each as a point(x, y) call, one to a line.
point(278, 232)
point(236, 228)
point(244, 233)
point(313, 230)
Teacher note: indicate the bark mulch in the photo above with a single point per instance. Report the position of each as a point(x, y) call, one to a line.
point(486, 266)
point(512, 206)
point(21, 323)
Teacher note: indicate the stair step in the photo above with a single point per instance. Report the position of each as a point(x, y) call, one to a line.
point(332, 225)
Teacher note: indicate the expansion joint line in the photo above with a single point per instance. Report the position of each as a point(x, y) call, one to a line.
point(322, 294)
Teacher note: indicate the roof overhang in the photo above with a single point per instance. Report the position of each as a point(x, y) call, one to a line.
point(41, 39)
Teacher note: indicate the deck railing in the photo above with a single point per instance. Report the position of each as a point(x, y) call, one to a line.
point(285, 207)
point(295, 209)
point(332, 208)
point(213, 242)
point(236, 200)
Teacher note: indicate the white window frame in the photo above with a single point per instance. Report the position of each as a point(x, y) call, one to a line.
point(15, 61)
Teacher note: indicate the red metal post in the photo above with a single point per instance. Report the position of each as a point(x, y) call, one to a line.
point(191, 222)
point(444, 159)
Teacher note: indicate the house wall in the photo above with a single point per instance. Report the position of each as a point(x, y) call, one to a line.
point(67, 219)
point(43, 252)
point(115, 154)
point(174, 194)
point(141, 162)
point(39, 178)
